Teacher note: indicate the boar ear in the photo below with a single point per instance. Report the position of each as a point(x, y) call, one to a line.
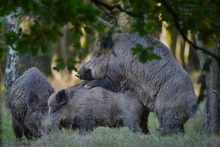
point(106, 43)
point(61, 97)
point(33, 99)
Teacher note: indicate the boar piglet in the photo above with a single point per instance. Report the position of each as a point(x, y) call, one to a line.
point(85, 109)
point(27, 101)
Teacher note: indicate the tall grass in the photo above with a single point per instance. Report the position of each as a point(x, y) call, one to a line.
point(106, 137)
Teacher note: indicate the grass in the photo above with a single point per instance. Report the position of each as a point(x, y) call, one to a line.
point(194, 136)
point(106, 137)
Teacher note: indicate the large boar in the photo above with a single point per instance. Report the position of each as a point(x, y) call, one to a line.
point(163, 86)
point(28, 103)
point(82, 108)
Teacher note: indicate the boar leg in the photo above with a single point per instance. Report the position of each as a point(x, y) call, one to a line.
point(104, 83)
point(144, 122)
point(133, 125)
point(170, 129)
point(17, 130)
point(171, 122)
point(28, 134)
point(84, 127)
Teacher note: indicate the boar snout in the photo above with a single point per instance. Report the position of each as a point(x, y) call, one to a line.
point(77, 75)
point(85, 74)
point(51, 127)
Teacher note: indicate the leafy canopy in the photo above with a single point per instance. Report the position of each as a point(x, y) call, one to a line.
point(47, 17)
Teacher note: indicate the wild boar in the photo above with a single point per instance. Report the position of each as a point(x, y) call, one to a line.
point(82, 108)
point(163, 86)
point(27, 101)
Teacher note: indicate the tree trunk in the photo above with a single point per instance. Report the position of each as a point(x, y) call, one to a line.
point(174, 40)
point(182, 53)
point(212, 120)
point(12, 58)
point(193, 61)
point(11, 72)
point(210, 88)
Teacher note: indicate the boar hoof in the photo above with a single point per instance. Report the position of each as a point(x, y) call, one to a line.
point(84, 127)
point(17, 132)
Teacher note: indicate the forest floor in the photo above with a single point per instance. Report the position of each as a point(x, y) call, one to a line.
point(107, 137)
point(194, 135)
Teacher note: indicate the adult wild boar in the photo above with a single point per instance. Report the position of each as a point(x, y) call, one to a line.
point(82, 108)
point(27, 101)
point(163, 86)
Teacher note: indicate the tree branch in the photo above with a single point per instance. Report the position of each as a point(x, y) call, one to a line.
point(105, 22)
point(177, 24)
point(99, 3)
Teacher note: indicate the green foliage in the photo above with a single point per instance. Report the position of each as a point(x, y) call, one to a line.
point(3, 51)
point(62, 64)
point(145, 54)
point(194, 16)
point(145, 17)
point(49, 16)
point(149, 16)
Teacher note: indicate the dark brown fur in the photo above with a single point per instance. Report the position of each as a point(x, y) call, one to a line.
point(82, 108)
point(163, 86)
point(28, 103)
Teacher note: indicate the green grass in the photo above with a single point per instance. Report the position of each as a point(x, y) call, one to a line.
point(106, 137)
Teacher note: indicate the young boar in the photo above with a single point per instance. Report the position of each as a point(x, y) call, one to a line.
point(82, 108)
point(163, 86)
point(28, 103)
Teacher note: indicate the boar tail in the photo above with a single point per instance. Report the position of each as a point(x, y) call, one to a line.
point(193, 109)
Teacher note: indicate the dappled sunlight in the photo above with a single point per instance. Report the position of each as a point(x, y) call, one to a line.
point(195, 78)
point(165, 36)
point(178, 49)
point(62, 79)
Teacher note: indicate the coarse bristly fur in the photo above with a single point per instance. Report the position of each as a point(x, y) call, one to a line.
point(163, 86)
point(28, 103)
point(82, 108)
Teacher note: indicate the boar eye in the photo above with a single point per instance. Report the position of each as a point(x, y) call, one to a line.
point(52, 110)
point(42, 112)
point(85, 70)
